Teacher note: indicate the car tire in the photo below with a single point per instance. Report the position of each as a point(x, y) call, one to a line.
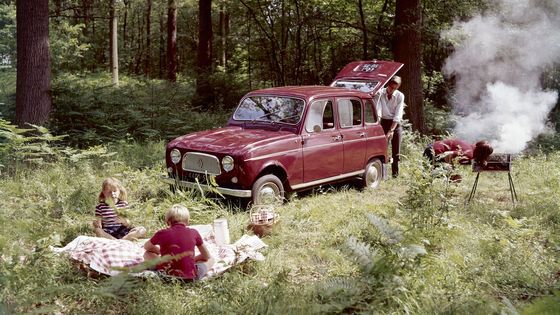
point(266, 190)
point(373, 174)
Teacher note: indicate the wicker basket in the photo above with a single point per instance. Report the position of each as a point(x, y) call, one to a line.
point(262, 221)
point(261, 230)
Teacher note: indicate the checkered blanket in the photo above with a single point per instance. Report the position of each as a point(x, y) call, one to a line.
point(107, 256)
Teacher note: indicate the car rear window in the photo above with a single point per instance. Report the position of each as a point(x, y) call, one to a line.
point(364, 86)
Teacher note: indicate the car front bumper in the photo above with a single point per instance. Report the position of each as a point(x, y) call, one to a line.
point(207, 188)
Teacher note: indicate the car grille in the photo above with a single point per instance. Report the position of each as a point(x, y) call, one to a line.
point(201, 163)
point(196, 177)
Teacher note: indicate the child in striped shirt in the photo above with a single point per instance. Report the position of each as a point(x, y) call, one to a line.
point(107, 223)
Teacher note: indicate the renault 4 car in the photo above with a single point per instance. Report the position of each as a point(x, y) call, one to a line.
point(285, 139)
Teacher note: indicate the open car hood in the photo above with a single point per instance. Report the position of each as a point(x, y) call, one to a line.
point(368, 76)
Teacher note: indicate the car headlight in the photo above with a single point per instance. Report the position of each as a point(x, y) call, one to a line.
point(227, 163)
point(175, 156)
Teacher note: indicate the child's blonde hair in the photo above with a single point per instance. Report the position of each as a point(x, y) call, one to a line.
point(113, 184)
point(177, 214)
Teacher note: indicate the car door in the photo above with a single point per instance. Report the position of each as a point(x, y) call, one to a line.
point(322, 143)
point(349, 111)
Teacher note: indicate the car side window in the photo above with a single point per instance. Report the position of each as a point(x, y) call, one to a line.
point(320, 116)
point(370, 113)
point(349, 112)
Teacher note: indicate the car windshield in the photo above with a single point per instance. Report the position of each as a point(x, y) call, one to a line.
point(364, 86)
point(270, 108)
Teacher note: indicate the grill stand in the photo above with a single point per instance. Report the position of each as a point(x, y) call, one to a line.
point(511, 188)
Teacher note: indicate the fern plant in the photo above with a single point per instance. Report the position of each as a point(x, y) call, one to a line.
point(380, 262)
point(37, 146)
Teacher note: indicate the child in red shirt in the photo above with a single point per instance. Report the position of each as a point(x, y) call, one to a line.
point(178, 241)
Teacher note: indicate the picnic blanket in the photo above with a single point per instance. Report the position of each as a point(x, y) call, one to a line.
point(107, 256)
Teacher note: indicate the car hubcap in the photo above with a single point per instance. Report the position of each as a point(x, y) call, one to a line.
point(372, 176)
point(268, 194)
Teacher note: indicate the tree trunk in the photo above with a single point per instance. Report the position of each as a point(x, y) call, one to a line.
point(204, 95)
point(57, 10)
point(224, 32)
point(138, 60)
point(125, 22)
point(249, 68)
point(148, 60)
point(33, 90)
point(364, 31)
point(299, 46)
point(172, 40)
point(204, 52)
point(407, 49)
point(86, 5)
point(114, 44)
point(378, 39)
point(161, 43)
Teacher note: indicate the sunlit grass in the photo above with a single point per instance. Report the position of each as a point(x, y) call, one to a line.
point(486, 257)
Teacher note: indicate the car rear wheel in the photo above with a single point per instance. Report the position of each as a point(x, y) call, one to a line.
point(267, 190)
point(373, 174)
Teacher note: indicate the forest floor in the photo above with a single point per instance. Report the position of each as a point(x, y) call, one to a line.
point(410, 246)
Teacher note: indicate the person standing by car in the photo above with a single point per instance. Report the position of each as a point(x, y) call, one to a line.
point(390, 107)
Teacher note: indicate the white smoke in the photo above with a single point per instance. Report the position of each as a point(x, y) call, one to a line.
point(497, 64)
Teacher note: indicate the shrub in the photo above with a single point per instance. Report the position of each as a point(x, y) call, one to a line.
point(91, 111)
point(430, 194)
point(36, 146)
point(381, 262)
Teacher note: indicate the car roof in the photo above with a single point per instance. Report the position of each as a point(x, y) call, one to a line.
point(309, 91)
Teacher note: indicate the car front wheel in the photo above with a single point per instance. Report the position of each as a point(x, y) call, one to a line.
point(267, 190)
point(373, 174)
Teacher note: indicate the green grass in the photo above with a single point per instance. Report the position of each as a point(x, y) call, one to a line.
point(486, 257)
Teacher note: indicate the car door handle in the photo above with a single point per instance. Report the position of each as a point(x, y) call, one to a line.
point(362, 134)
point(337, 138)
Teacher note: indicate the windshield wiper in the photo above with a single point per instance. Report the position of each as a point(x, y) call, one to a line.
point(289, 117)
point(266, 115)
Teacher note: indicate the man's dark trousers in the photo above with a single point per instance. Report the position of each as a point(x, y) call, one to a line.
point(395, 143)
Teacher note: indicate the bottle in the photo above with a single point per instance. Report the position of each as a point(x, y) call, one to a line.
point(221, 231)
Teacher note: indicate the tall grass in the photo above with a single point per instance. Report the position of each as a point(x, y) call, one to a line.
point(490, 256)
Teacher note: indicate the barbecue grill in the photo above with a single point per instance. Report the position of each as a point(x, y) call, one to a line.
point(500, 162)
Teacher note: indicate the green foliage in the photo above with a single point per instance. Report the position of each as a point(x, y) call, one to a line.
point(228, 89)
point(391, 235)
point(7, 93)
point(381, 264)
point(430, 194)
point(337, 250)
point(67, 46)
point(7, 34)
point(20, 147)
point(92, 112)
point(545, 305)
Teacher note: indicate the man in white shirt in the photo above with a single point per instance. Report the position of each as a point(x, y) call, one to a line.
point(390, 107)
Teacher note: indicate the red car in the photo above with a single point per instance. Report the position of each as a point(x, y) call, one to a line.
point(286, 139)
